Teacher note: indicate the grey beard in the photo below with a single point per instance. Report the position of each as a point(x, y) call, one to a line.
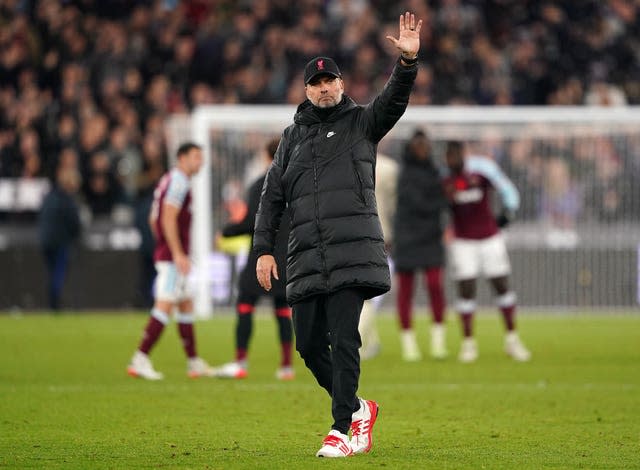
point(326, 104)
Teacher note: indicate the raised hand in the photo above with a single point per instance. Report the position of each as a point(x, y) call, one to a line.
point(409, 40)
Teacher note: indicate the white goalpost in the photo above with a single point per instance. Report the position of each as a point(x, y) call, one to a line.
point(199, 126)
point(574, 167)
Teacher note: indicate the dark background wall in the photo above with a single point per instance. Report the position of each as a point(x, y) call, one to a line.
point(96, 280)
point(110, 279)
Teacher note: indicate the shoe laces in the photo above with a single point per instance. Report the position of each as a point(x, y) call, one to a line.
point(359, 427)
point(338, 443)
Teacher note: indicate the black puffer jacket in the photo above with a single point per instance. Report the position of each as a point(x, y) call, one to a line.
point(324, 171)
point(418, 223)
point(248, 281)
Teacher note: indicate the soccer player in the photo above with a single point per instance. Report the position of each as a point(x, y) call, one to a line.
point(323, 172)
point(249, 290)
point(478, 246)
point(170, 220)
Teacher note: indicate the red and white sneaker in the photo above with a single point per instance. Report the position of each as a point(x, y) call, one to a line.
point(141, 366)
point(285, 373)
point(335, 444)
point(198, 367)
point(230, 370)
point(514, 347)
point(362, 422)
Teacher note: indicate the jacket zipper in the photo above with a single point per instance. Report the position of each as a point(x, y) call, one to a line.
point(323, 256)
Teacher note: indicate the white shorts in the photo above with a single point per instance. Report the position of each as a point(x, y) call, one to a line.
point(471, 258)
point(171, 286)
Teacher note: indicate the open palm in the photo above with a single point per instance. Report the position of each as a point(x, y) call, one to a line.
point(408, 41)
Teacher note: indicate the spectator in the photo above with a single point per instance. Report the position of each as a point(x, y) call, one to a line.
point(561, 198)
point(601, 93)
point(126, 160)
point(93, 136)
point(59, 227)
point(153, 167)
point(101, 189)
point(608, 192)
point(524, 167)
point(30, 163)
point(7, 155)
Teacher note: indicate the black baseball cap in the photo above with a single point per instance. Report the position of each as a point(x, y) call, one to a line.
point(320, 66)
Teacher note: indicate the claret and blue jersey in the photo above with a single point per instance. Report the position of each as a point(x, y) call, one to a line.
point(469, 197)
point(174, 188)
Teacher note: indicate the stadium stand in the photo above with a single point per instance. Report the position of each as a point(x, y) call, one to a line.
point(89, 83)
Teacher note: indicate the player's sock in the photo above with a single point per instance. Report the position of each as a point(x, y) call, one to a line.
point(241, 355)
point(157, 321)
point(436, 293)
point(285, 347)
point(244, 328)
point(507, 305)
point(285, 332)
point(466, 309)
point(405, 298)
point(467, 324)
point(185, 329)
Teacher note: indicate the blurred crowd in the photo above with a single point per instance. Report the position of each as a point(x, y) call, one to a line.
point(87, 84)
point(564, 181)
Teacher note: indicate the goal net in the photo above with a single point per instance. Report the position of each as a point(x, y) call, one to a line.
point(575, 240)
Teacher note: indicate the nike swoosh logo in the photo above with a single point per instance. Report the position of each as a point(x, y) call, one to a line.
point(330, 134)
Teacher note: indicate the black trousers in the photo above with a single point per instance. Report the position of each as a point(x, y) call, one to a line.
point(327, 338)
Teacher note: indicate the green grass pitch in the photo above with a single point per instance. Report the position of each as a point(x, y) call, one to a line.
point(66, 402)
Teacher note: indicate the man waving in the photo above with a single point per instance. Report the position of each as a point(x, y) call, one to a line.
point(324, 171)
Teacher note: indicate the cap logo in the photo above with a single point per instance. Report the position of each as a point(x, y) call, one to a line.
point(320, 64)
